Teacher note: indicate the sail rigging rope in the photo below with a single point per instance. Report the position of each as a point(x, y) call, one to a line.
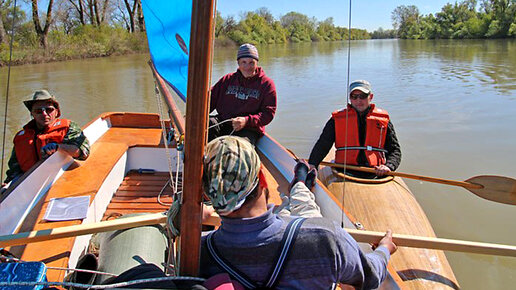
point(164, 134)
point(347, 101)
point(7, 91)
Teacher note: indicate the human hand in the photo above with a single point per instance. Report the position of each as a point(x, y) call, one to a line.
point(49, 149)
point(207, 211)
point(238, 123)
point(387, 242)
point(381, 170)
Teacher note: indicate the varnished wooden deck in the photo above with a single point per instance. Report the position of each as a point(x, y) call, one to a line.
point(139, 193)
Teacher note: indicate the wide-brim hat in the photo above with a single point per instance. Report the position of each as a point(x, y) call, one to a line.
point(230, 174)
point(361, 85)
point(42, 95)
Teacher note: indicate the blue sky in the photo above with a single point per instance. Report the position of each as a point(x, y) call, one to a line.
point(365, 14)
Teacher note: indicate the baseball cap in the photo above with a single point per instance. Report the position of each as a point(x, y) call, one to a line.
point(361, 85)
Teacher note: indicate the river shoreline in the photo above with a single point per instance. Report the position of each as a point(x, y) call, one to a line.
point(39, 55)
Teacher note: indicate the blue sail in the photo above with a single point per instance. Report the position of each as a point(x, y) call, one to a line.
point(168, 33)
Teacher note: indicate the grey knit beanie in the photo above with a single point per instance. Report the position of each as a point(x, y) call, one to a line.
point(247, 50)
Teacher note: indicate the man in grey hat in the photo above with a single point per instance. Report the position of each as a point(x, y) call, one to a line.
point(244, 101)
point(44, 135)
point(319, 252)
point(363, 135)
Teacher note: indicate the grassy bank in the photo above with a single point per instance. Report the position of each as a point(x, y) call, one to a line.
point(83, 42)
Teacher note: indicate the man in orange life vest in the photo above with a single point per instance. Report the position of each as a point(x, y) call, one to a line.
point(44, 135)
point(366, 138)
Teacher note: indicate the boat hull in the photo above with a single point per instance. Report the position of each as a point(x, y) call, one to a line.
point(391, 205)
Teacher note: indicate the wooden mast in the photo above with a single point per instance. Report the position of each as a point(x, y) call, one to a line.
point(199, 70)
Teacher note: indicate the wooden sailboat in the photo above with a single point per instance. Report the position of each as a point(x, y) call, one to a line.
point(127, 172)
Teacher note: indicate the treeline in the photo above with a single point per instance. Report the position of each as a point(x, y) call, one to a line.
point(261, 27)
point(52, 30)
point(495, 19)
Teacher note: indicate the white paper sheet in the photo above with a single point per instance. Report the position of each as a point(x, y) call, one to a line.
point(67, 208)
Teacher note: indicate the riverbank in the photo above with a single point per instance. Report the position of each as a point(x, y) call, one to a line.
point(92, 44)
point(88, 42)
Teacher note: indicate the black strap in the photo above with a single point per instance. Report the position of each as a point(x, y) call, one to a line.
point(367, 148)
point(289, 237)
point(281, 258)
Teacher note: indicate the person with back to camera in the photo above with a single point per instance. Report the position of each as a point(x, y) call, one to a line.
point(317, 252)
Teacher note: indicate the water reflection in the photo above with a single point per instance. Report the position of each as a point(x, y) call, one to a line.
point(485, 61)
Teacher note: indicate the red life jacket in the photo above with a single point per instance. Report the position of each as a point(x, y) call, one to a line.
point(27, 144)
point(376, 131)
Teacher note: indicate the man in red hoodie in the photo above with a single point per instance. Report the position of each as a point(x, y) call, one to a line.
point(245, 100)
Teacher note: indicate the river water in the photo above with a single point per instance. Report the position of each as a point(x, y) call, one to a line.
point(453, 105)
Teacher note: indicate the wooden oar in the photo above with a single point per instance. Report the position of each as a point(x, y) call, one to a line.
point(158, 218)
point(495, 188)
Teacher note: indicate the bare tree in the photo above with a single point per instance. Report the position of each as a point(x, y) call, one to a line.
point(91, 11)
point(79, 7)
point(96, 11)
point(141, 21)
point(266, 14)
point(65, 17)
point(131, 11)
point(42, 32)
point(121, 15)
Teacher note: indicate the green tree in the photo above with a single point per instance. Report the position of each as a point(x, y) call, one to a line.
point(327, 30)
point(503, 14)
point(7, 11)
point(405, 20)
point(255, 29)
point(4, 6)
point(299, 27)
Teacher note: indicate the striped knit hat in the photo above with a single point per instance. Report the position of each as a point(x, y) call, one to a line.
point(247, 50)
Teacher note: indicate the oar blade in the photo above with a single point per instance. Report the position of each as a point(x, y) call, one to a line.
point(495, 188)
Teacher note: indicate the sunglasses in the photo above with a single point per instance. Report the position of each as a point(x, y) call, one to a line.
point(47, 110)
point(358, 96)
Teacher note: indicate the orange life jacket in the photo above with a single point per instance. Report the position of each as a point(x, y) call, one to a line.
point(377, 121)
point(27, 144)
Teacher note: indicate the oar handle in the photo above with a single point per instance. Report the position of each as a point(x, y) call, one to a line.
point(435, 243)
point(158, 218)
point(407, 175)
